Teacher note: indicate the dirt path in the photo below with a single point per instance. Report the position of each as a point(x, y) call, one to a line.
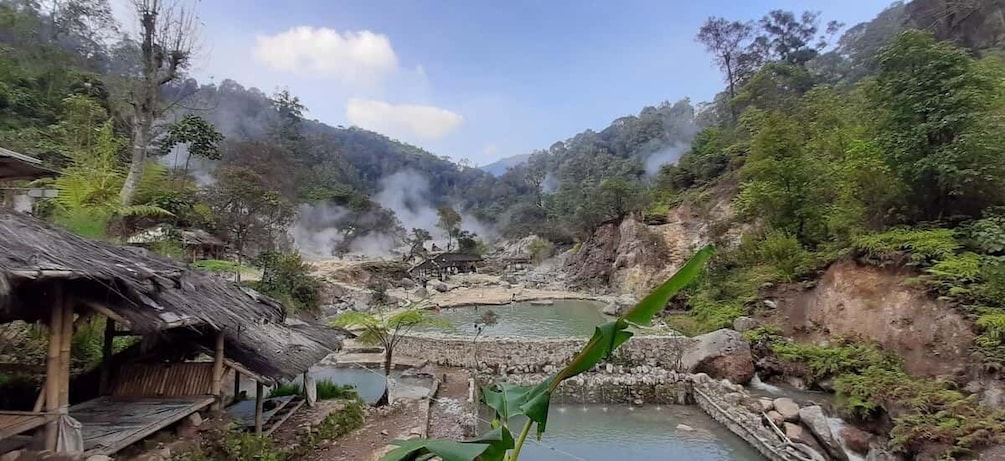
point(448, 415)
point(381, 426)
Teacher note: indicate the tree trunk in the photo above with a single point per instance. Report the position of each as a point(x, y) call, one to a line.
point(141, 131)
point(385, 398)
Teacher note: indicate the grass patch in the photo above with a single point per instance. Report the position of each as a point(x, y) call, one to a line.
point(286, 389)
point(329, 390)
point(219, 265)
point(236, 445)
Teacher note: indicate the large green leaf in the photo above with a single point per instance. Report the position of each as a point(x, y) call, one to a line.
point(505, 399)
point(500, 441)
point(606, 338)
point(644, 311)
point(448, 450)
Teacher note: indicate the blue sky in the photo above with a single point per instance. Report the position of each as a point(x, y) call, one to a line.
point(477, 79)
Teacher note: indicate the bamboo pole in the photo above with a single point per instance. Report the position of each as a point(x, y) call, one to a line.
point(106, 356)
point(259, 406)
point(52, 369)
point(64, 358)
point(218, 373)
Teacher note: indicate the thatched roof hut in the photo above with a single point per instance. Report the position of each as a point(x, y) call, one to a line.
point(14, 166)
point(51, 275)
point(445, 263)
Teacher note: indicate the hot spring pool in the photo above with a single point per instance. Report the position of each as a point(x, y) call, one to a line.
point(623, 433)
point(562, 318)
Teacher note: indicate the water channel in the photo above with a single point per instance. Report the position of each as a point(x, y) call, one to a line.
point(561, 318)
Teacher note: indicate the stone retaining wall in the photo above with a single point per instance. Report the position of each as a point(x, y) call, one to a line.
point(525, 355)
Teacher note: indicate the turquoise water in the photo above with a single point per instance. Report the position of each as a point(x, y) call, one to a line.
point(646, 433)
point(563, 318)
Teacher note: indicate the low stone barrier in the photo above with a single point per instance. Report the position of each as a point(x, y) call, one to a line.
point(525, 355)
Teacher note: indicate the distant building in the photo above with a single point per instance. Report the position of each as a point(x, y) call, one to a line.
point(16, 167)
point(444, 264)
point(197, 243)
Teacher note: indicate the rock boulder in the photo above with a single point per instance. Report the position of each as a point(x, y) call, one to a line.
point(787, 408)
point(743, 324)
point(814, 418)
point(855, 439)
point(720, 354)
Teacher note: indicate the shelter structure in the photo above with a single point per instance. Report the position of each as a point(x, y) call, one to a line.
point(444, 264)
point(20, 167)
point(56, 278)
point(197, 243)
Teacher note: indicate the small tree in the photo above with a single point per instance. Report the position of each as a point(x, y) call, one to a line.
point(489, 318)
point(387, 330)
point(450, 222)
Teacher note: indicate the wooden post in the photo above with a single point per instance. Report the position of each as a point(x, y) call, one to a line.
point(106, 355)
point(64, 358)
point(259, 405)
point(217, 389)
point(52, 368)
point(237, 384)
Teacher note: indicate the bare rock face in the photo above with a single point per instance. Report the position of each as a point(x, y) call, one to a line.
point(797, 433)
point(720, 354)
point(776, 418)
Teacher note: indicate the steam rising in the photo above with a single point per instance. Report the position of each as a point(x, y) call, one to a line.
point(668, 155)
point(321, 227)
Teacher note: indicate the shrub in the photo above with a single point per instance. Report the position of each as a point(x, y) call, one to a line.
point(925, 412)
point(286, 389)
point(285, 276)
point(216, 265)
point(828, 361)
point(540, 249)
point(329, 390)
point(922, 246)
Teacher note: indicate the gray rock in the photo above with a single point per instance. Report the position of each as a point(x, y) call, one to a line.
point(722, 354)
point(504, 285)
point(809, 451)
point(743, 324)
point(787, 408)
point(407, 283)
point(685, 428)
point(625, 301)
point(441, 287)
point(766, 404)
point(612, 309)
point(776, 418)
point(815, 419)
point(194, 420)
point(97, 458)
point(770, 304)
point(796, 433)
point(421, 292)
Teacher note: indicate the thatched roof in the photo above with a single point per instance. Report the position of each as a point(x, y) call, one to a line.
point(151, 294)
point(445, 260)
point(189, 237)
point(19, 166)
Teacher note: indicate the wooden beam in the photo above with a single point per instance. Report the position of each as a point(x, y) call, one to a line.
point(217, 389)
point(52, 368)
point(259, 406)
point(107, 312)
point(106, 356)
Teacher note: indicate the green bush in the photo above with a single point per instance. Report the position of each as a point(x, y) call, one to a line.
point(830, 361)
point(925, 412)
point(329, 390)
point(286, 277)
point(922, 246)
point(286, 389)
point(216, 265)
point(540, 249)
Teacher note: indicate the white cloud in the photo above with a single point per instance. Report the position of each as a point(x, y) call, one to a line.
point(405, 121)
point(354, 57)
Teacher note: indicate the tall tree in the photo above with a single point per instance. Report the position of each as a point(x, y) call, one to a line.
point(248, 211)
point(940, 124)
point(166, 42)
point(450, 222)
point(724, 39)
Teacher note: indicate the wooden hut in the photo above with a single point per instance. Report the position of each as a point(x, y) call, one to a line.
point(53, 277)
point(19, 167)
point(444, 264)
